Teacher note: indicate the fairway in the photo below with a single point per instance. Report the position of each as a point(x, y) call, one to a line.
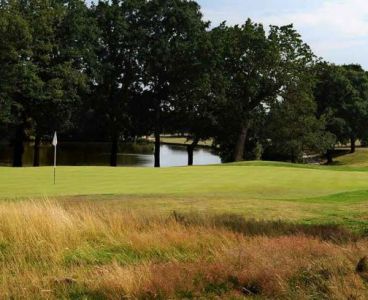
point(257, 182)
point(260, 190)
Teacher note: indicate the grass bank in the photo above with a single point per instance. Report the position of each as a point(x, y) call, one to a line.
point(357, 159)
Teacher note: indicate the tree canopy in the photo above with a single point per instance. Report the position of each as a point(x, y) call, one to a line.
point(119, 70)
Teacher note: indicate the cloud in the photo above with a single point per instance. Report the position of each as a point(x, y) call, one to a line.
point(337, 30)
point(346, 18)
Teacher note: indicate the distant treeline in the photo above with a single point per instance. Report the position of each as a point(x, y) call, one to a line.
point(122, 69)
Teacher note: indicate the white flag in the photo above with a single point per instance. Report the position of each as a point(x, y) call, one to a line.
point(54, 140)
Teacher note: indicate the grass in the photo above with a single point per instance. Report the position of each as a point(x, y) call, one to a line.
point(50, 250)
point(256, 182)
point(357, 159)
point(257, 229)
point(260, 190)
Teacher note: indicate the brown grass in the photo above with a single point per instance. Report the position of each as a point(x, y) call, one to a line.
point(50, 250)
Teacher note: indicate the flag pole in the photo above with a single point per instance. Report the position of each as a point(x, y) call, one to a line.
point(55, 164)
point(54, 143)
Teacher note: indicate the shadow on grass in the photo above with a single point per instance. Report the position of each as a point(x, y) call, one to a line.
point(252, 227)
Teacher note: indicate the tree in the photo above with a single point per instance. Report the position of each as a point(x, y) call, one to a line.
point(51, 73)
point(257, 68)
point(197, 97)
point(341, 95)
point(64, 34)
point(171, 28)
point(250, 63)
point(119, 68)
point(14, 39)
point(293, 127)
point(355, 109)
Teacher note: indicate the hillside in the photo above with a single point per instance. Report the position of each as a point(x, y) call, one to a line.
point(357, 159)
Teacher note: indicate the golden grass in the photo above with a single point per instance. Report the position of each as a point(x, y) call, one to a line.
point(51, 250)
point(357, 159)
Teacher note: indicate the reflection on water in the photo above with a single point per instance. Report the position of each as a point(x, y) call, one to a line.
point(177, 156)
point(97, 154)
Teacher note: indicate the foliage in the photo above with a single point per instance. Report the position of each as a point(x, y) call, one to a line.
point(118, 70)
point(341, 95)
point(14, 39)
point(50, 75)
point(293, 128)
point(258, 69)
point(123, 69)
point(170, 58)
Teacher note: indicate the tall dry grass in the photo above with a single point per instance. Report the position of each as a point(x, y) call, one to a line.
point(50, 250)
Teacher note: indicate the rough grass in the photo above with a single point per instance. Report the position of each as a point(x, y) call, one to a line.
point(252, 227)
point(50, 250)
point(357, 159)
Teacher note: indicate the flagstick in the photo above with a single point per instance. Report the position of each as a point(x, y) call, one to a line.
point(54, 143)
point(55, 164)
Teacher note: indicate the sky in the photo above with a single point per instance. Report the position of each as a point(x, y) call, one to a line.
point(336, 30)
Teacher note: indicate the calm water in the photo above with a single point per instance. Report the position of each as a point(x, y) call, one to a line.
point(97, 154)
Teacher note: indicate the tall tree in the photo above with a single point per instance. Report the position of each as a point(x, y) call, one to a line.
point(171, 29)
point(341, 95)
point(47, 89)
point(198, 97)
point(15, 37)
point(62, 51)
point(257, 68)
point(249, 65)
point(355, 109)
point(119, 69)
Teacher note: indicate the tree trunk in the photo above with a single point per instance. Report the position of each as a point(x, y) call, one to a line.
point(157, 148)
point(329, 157)
point(157, 135)
point(190, 149)
point(36, 151)
point(240, 145)
point(114, 151)
point(353, 145)
point(18, 146)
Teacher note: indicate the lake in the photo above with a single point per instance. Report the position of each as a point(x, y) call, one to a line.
point(97, 154)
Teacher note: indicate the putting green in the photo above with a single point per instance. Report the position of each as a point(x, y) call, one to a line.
point(256, 182)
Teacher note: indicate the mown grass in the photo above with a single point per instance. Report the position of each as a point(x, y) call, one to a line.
point(259, 190)
point(89, 251)
point(247, 182)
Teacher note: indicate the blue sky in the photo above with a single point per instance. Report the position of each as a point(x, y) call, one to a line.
point(337, 30)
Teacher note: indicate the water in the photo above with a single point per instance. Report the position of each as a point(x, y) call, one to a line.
point(97, 154)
